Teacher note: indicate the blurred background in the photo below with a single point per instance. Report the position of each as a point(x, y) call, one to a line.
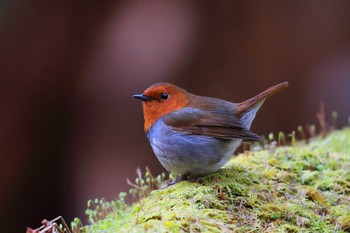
point(69, 129)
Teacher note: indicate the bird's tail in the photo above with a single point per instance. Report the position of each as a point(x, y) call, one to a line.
point(247, 109)
point(258, 99)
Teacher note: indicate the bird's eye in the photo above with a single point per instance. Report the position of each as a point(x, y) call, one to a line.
point(164, 96)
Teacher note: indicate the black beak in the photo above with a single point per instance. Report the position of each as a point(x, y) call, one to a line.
point(142, 97)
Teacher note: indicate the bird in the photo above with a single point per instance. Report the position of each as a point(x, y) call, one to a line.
point(193, 135)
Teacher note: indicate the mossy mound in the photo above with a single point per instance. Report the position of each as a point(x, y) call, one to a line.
point(299, 188)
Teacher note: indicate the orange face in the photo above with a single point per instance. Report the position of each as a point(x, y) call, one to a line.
point(160, 99)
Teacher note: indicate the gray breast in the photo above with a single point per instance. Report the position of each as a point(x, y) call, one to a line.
point(189, 154)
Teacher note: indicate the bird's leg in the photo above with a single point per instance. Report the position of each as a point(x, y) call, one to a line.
point(177, 180)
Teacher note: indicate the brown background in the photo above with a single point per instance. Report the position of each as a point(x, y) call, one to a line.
point(69, 129)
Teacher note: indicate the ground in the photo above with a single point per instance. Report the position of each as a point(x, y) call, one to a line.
point(304, 187)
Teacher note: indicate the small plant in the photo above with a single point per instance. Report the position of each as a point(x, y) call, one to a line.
point(76, 225)
point(143, 186)
point(98, 209)
point(57, 225)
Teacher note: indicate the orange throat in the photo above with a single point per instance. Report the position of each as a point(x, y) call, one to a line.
point(152, 111)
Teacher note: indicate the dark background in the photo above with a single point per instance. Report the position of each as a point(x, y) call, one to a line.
point(69, 129)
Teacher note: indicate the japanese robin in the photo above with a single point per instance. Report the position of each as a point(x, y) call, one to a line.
point(193, 135)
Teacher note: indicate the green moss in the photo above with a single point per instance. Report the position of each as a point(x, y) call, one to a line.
point(299, 188)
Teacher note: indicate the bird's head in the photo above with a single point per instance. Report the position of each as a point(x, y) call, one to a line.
point(160, 99)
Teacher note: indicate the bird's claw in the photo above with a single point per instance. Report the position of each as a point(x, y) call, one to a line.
point(177, 180)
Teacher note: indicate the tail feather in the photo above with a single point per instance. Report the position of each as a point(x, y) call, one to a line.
point(257, 100)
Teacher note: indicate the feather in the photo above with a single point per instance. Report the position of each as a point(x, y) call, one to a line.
point(211, 123)
point(249, 104)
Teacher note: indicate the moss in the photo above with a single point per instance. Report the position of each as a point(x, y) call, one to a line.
point(299, 188)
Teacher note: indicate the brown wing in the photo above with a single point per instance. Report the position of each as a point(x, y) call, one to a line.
point(209, 123)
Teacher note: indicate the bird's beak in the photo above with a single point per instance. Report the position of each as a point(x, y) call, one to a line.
point(142, 97)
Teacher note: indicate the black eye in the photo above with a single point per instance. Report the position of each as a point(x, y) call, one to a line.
point(164, 96)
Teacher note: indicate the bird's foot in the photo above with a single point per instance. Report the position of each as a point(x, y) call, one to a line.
point(177, 180)
point(197, 179)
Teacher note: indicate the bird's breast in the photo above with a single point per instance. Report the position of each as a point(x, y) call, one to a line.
point(182, 153)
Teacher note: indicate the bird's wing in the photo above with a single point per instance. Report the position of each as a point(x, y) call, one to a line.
point(215, 124)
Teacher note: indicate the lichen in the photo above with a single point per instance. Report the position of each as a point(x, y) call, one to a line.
point(299, 188)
